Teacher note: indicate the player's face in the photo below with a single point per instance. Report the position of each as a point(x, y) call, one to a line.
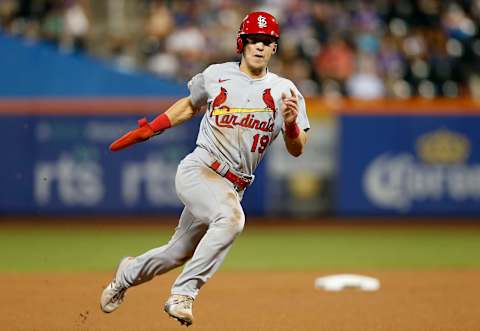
point(258, 50)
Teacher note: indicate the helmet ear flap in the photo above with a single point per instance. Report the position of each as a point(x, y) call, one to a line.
point(239, 44)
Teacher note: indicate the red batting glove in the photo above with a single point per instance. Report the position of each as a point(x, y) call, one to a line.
point(142, 133)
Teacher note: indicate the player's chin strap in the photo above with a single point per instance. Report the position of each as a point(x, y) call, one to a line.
point(238, 181)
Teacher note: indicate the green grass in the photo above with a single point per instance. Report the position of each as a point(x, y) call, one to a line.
point(347, 248)
point(47, 249)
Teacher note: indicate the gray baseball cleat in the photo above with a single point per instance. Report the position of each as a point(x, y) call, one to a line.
point(179, 307)
point(113, 294)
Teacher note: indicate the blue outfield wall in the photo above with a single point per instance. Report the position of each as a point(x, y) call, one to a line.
point(34, 69)
point(385, 164)
point(62, 165)
point(408, 165)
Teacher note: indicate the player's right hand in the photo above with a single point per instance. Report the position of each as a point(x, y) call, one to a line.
point(142, 133)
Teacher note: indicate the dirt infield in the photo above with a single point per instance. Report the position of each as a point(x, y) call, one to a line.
point(420, 301)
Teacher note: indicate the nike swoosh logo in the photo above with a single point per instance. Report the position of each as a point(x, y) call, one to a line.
point(223, 80)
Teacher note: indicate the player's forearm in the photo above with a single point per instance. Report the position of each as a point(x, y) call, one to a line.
point(181, 111)
point(296, 145)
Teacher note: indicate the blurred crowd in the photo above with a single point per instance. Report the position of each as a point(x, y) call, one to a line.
point(364, 49)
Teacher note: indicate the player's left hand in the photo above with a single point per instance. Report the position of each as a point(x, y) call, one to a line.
point(289, 108)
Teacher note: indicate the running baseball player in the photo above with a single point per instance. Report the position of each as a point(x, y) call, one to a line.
point(247, 106)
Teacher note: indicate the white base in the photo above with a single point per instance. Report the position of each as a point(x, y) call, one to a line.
point(344, 281)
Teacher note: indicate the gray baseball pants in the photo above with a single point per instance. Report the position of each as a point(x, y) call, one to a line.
point(210, 222)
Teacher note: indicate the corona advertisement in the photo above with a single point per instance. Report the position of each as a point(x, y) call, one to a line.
point(409, 164)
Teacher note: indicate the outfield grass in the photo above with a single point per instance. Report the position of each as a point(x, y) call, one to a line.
point(50, 249)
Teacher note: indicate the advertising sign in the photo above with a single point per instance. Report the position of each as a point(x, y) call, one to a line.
point(415, 164)
point(62, 164)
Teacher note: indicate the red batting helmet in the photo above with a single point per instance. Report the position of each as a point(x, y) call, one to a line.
point(258, 22)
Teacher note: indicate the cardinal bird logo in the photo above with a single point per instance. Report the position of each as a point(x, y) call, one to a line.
point(219, 99)
point(267, 98)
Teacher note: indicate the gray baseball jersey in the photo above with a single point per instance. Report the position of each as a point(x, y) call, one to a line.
point(242, 117)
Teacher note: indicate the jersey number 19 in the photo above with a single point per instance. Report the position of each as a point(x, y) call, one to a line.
point(263, 142)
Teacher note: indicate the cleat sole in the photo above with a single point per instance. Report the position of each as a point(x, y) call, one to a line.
point(178, 319)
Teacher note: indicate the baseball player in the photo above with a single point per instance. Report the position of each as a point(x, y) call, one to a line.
point(247, 106)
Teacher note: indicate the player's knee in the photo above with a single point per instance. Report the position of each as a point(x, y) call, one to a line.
point(237, 221)
point(180, 259)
